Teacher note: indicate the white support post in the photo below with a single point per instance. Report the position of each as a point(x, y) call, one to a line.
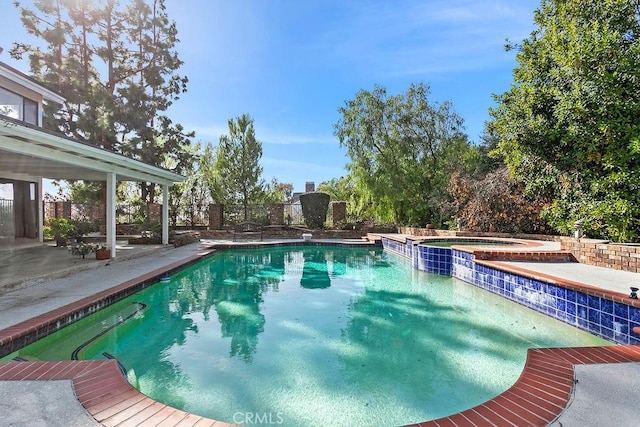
point(165, 214)
point(111, 213)
point(40, 212)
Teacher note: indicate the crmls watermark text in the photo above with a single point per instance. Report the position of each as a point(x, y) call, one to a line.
point(264, 418)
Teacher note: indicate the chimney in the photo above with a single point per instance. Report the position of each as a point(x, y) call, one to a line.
point(310, 187)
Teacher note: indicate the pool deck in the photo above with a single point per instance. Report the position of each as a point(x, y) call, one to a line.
point(559, 387)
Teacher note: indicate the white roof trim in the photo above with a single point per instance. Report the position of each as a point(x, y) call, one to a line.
point(40, 151)
point(16, 76)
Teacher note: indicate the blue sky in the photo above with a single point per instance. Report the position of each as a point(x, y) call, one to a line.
point(291, 64)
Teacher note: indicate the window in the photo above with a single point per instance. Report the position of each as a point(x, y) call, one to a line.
point(30, 111)
point(18, 107)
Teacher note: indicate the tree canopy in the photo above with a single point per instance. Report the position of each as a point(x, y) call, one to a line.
point(403, 150)
point(569, 127)
point(117, 67)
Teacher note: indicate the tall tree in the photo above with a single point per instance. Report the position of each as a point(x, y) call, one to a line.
point(403, 150)
point(238, 162)
point(117, 67)
point(569, 126)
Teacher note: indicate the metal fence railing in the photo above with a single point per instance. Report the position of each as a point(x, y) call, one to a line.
point(234, 214)
point(293, 214)
point(194, 216)
point(7, 227)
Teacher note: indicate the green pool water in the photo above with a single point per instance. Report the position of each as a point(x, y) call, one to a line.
point(304, 336)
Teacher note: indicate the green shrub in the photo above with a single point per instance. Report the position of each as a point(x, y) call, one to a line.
point(314, 209)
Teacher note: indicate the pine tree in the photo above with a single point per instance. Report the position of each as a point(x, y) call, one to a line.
point(117, 67)
point(238, 163)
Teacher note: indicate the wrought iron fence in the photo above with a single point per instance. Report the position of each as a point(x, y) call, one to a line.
point(234, 214)
point(194, 215)
point(293, 214)
point(126, 213)
point(6, 218)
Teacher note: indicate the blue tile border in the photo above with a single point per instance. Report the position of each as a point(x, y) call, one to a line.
point(611, 320)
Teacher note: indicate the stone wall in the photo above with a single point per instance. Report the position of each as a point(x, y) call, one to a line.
point(601, 253)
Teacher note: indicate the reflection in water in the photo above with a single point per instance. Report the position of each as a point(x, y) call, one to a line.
point(315, 274)
point(239, 283)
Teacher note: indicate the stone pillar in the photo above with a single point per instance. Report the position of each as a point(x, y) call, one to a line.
point(276, 214)
point(155, 213)
point(339, 212)
point(216, 216)
point(63, 210)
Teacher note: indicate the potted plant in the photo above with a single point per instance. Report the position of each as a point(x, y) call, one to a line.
point(102, 252)
point(82, 249)
point(62, 229)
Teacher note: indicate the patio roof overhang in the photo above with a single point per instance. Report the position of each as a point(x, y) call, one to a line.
point(27, 151)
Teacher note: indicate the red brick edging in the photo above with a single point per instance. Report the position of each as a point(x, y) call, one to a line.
point(536, 399)
point(543, 390)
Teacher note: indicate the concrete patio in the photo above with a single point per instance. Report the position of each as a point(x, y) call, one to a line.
point(24, 266)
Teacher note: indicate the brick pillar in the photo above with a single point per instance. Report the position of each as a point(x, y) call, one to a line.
point(63, 210)
point(276, 214)
point(155, 213)
point(216, 216)
point(339, 212)
point(98, 213)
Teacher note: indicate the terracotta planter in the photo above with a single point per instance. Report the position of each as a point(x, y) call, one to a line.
point(103, 254)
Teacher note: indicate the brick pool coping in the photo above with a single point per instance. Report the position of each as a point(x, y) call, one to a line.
point(539, 396)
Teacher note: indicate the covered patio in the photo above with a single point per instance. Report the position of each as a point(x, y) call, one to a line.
point(28, 154)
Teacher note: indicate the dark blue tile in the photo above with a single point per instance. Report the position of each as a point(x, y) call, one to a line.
point(571, 308)
point(594, 302)
point(607, 333)
point(634, 314)
point(581, 298)
point(581, 312)
point(562, 305)
point(595, 328)
point(606, 306)
point(561, 293)
point(621, 310)
point(571, 295)
point(561, 315)
point(594, 316)
point(621, 327)
point(606, 320)
point(547, 289)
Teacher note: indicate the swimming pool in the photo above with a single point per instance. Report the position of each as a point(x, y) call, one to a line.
point(314, 336)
